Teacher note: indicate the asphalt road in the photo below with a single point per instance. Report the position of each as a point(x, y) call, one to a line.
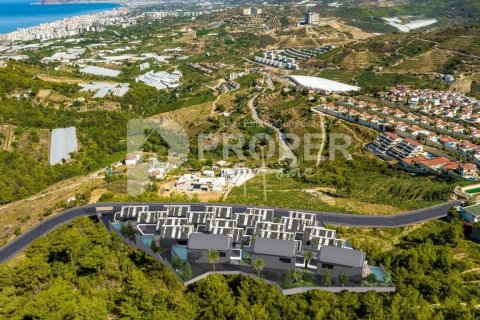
point(399, 220)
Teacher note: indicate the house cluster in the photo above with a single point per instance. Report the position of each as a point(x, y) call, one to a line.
point(279, 239)
point(228, 86)
point(208, 181)
point(158, 169)
point(443, 109)
point(275, 58)
point(206, 67)
point(155, 169)
point(305, 54)
point(246, 22)
point(417, 124)
point(411, 154)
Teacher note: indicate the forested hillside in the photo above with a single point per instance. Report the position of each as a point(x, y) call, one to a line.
point(81, 272)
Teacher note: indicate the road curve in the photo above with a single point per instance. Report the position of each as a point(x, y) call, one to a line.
point(340, 219)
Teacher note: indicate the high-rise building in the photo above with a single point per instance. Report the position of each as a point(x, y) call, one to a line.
point(311, 17)
point(252, 11)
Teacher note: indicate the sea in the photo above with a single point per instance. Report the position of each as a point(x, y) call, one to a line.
point(16, 14)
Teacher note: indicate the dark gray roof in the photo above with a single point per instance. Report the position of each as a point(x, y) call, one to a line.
point(274, 247)
point(341, 256)
point(206, 241)
point(473, 210)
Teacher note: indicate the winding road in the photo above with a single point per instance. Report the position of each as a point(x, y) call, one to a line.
point(285, 151)
point(329, 218)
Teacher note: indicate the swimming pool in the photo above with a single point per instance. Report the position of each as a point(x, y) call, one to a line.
point(180, 251)
point(473, 190)
point(378, 272)
point(147, 240)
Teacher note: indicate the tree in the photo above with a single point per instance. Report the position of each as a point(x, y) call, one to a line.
point(327, 279)
point(154, 247)
point(371, 279)
point(258, 265)
point(387, 277)
point(213, 257)
point(187, 273)
point(343, 279)
point(127, 230)
point(308, 256)
point(288, 279)
point(176, 262)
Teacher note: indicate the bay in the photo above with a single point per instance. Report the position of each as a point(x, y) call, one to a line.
point(16, 14)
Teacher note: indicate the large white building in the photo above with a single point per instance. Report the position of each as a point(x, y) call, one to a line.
point(322, 84)
point(161, 80)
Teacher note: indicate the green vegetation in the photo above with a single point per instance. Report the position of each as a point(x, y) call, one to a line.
point(297, 278)
point(448, 11)
point(258, 265)
point(415, 47)
point(101, 137)
point(475, 89)
point(80, 270)
point(365, 180)
point(143, 100)
point(373, 82)
point(213, 257)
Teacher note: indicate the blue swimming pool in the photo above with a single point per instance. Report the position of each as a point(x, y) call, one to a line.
point(180, 251)
point(378, 272)
point(147, 240)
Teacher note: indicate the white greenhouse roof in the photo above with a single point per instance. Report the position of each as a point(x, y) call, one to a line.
point(62, 143)
point(100, 71)
point(322, 84)
point(161, 80)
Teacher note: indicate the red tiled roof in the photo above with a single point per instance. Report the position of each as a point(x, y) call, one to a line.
point(411, 141)
point(467, 166)
point(414, 159)
point(391, 135)
point(435, 162)
point(450, 166)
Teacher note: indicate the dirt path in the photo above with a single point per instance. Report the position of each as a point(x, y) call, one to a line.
point(437, 44)
point(9, 136)
point(324, 139)
point(285, 151)
point(26, 213)
point(214, 104)
point(61, 187)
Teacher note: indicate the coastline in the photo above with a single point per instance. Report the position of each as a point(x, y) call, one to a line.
point(57, 18)
point(39, 3)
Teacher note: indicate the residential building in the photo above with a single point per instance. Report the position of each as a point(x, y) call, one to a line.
point(471, 213)
point(341, 261)
point(200, 243)
point(384, 142)
point(277, 254)
point(405, 149)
